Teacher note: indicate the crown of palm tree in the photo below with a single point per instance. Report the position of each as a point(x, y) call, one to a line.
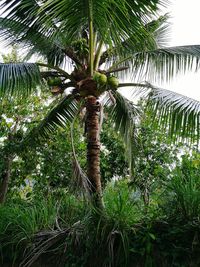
point(125, 38)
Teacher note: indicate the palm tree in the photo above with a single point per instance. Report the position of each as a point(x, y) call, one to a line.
point(83, 44)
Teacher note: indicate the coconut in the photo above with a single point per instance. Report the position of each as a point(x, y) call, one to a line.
point(50, 81)
point(96, 76)
point(113, 82)
point(57, 81)
point(54, 81)
point(102, 79)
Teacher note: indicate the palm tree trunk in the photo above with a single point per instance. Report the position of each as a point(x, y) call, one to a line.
point(93, 151)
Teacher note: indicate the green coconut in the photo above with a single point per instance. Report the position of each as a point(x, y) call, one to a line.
point(50, 81)
point(57, 81)
point(54, 81)
point(113, 82)
point(96, 76)
point(102, 79)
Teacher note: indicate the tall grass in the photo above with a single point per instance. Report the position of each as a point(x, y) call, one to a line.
point(183, 192)
point(120, 205)
point(20, 222)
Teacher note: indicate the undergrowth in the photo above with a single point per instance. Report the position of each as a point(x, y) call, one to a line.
point(66, 231)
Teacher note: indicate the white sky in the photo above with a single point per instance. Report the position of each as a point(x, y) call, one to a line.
point(185, 24)
point(185, 20)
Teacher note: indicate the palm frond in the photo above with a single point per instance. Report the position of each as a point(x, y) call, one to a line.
point(124, 115)
point(158, 33)
point(27, 13)
point(63, 113)
point(178, 115)
point(165, 63)
point(80, 177)
point(156, 37)
point(32, 39)
point(19, 79)
point(113, 21)
point(160, 29)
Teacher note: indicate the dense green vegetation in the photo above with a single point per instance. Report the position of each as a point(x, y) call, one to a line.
point(64, 229)
point(151, 218)
point(87, 176)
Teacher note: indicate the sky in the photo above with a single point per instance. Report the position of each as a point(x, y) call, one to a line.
point(185, 23)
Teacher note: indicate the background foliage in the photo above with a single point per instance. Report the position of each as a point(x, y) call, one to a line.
point(151, 215)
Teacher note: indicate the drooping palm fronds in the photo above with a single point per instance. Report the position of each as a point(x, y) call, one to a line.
point(177, 114)
point(164, 64)
point(124, 115)
point(21, 25)
point(160, 29)
point(27, 13)
point(61, 114)
point(30, 38)
point(19, 79)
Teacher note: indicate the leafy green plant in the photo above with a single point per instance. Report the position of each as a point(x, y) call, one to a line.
point(20, 222)
point(120, 205)
point(184, 188)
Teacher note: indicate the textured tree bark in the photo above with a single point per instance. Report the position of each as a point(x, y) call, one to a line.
point(93, 150)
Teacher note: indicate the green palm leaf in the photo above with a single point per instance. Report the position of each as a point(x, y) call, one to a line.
point(19, 79)
point(160, 29)
point(27, 13)
point(177, 114)
point(165, 63)
point(61, 114)
point(156, 37)
point(113, 20)
point(124, 115)
point(15, 30)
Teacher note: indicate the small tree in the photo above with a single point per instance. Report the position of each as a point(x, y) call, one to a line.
point(13, 125)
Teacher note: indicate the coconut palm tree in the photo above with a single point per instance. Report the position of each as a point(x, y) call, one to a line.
point(87, 46)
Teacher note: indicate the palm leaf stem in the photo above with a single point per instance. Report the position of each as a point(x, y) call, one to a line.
point(91, 38)
point(98, 55)
point(65, 74)
point(71, 54)
point(117, 70)
point(145, 85)
point(114, 66)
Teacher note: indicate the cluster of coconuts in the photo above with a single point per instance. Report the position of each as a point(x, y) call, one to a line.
point(104, 82)
point(55, 84)
point(97, 85)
